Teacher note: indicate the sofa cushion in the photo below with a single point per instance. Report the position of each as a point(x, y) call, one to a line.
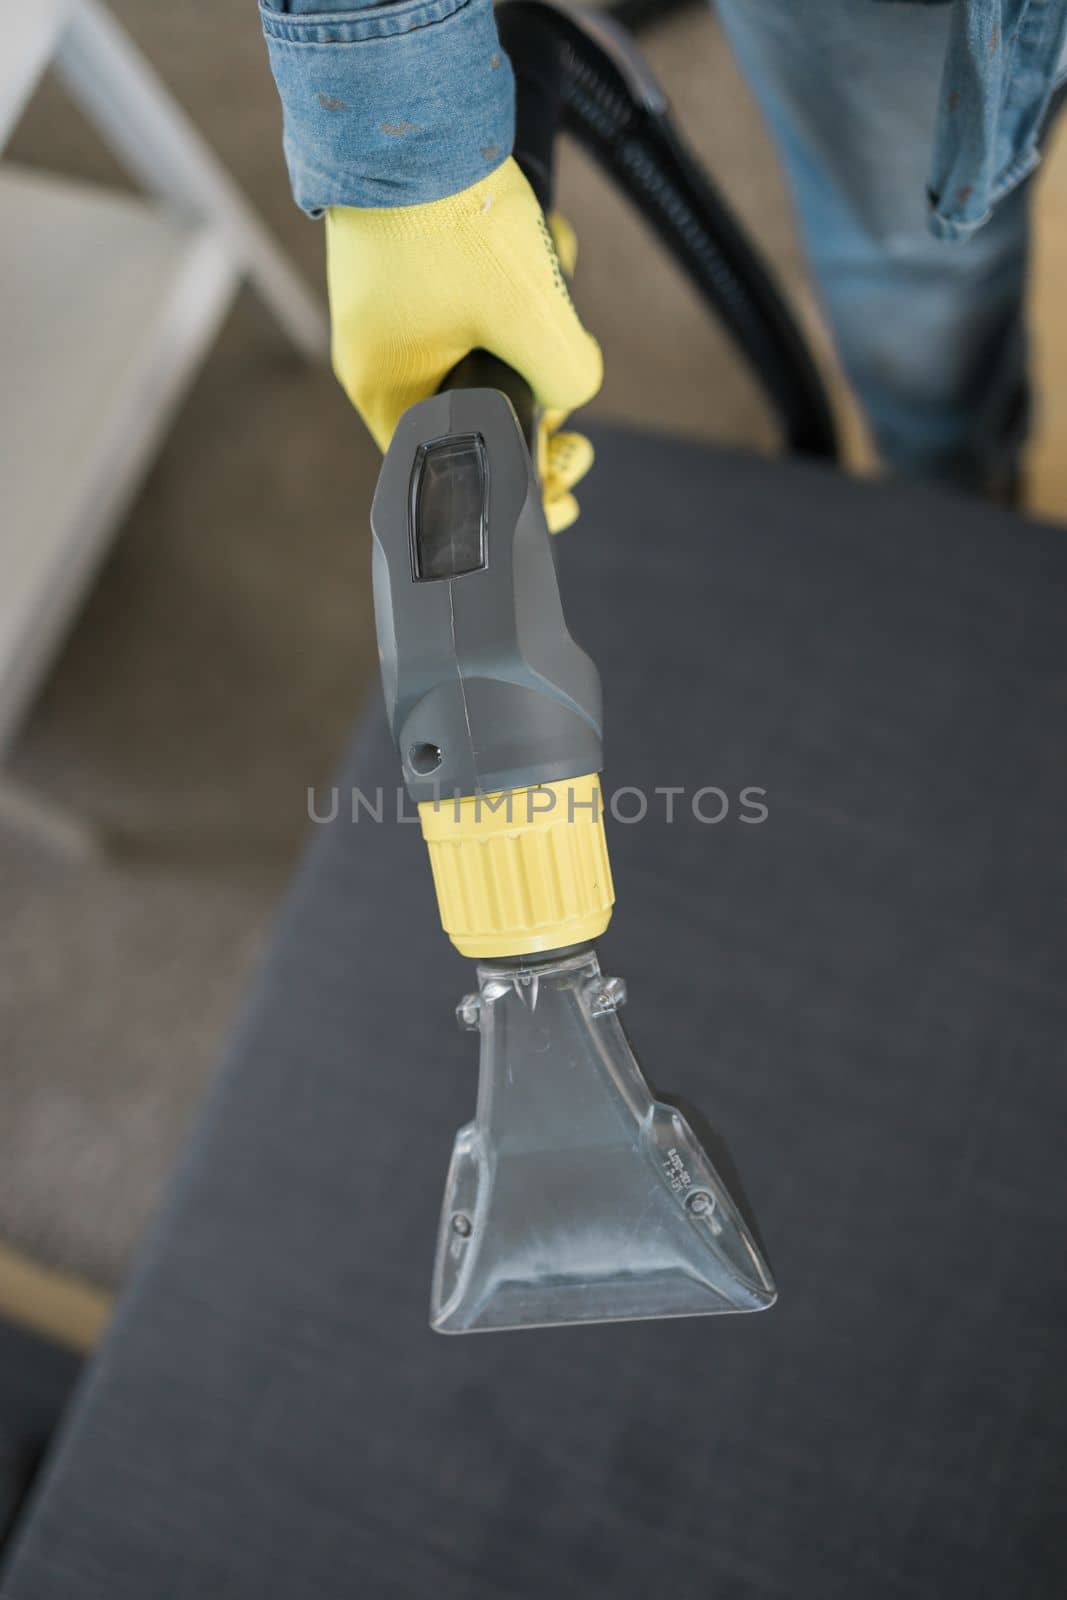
point(866, 990)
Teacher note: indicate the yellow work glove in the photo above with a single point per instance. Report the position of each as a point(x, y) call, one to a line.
point(413, 289)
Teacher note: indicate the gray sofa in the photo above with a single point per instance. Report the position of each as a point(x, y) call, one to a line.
point(867, 991)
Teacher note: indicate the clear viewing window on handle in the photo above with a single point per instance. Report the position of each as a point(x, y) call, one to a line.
point(449, 507)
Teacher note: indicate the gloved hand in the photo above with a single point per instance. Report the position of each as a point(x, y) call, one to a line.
point(413, 289)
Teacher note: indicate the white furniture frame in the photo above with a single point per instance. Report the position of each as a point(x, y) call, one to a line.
point(108, 305)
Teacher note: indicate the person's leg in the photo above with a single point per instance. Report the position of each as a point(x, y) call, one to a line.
point(930, 333)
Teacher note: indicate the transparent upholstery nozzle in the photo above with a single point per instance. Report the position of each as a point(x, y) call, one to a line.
point(574, 1195)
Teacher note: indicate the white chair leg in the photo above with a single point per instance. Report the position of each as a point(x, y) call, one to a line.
point(159, 146)
point(30, 36)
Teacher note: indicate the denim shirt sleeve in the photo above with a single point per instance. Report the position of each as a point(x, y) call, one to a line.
point(1005, 60)
point(388, 105)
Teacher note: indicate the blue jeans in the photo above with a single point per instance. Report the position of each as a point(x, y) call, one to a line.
point(930, 331)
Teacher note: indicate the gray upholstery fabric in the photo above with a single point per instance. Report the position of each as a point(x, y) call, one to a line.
point(36, 1379)
point(867, 993)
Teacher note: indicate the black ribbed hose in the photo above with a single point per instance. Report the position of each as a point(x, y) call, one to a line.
point(569, 77)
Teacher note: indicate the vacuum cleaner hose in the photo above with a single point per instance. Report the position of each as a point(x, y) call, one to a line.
point(580, 72)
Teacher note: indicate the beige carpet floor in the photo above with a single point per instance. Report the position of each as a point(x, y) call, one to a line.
point(226, 648)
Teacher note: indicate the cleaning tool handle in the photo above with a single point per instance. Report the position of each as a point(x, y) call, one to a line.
point(480, 370)
point(535, 59)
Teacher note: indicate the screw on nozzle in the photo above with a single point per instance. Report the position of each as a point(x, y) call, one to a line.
point(468, 1012)
point(701, 1204)
point(605, 994)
